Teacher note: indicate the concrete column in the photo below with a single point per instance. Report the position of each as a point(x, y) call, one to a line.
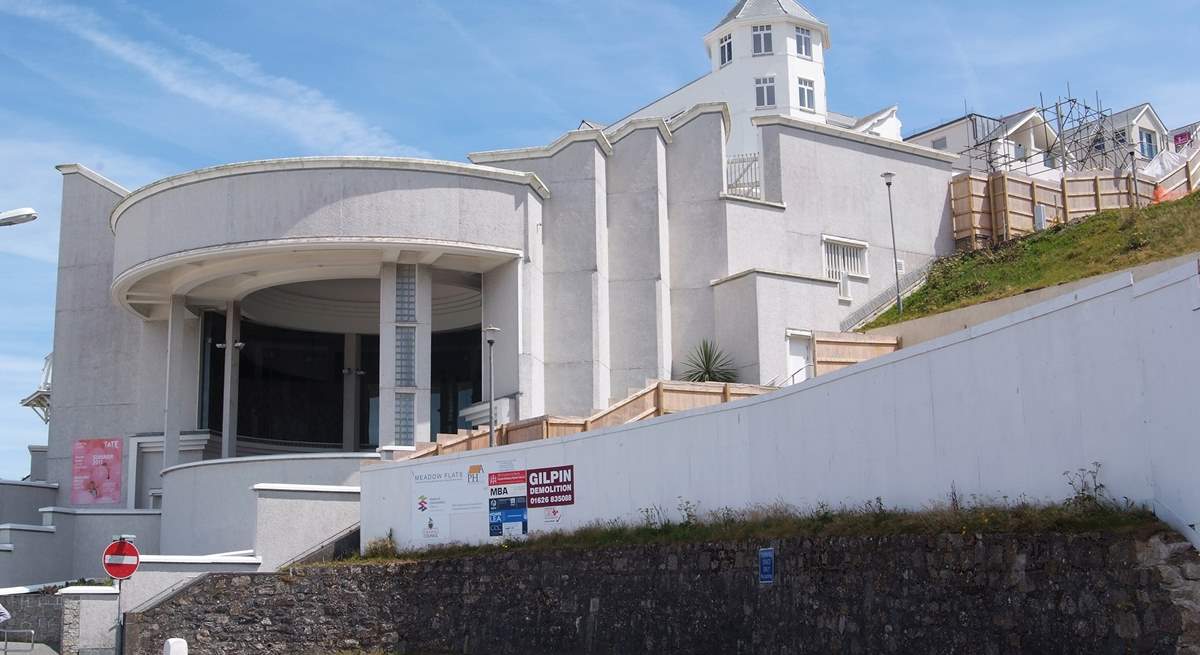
point(350, 390)
point(233, 360)
point(512, 301)
point(387, 355)
point(424, 430)
point(405, 331)
point(174, 406)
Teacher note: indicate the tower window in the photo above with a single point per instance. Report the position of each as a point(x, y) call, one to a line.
point(762, 39)
point(804, 42)
point(808, 98)
point(726, 47)
point(764, 92)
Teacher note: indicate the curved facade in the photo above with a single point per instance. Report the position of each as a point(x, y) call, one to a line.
point(314, 313)
point(201, 233)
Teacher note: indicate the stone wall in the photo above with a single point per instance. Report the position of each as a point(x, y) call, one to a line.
point(988, 594)
point(41, 613)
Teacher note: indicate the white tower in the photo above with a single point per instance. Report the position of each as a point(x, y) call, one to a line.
point(768, 57)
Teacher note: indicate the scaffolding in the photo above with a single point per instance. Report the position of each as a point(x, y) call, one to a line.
point(1068, 135)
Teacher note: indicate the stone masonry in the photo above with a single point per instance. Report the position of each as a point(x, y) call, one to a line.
point(42, 613)
point(986, 595)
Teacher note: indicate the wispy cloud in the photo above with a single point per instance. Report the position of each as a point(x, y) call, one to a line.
point(223, 80)
point(545, 102)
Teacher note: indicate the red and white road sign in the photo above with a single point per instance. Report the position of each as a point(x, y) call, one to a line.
point(121, 559)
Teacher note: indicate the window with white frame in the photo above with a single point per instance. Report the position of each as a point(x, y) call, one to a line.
point(1121, 137)
point(762, 39)
point(1148, 142)
point(764, 91)
point(726, 47)
point(939, 143)
point(808, 95)
point(804, 42)
point(844, 256)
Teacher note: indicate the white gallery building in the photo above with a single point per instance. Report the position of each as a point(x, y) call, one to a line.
point(281, 322)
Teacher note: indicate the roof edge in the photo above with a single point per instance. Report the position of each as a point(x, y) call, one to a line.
point(317, 163)
point(880, 142)
point(80, 169)
point(539, 152)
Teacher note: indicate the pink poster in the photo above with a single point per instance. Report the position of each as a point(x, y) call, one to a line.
point(96, 472)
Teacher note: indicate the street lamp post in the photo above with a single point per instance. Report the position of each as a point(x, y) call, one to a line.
point(887, 179)
point(17, 216)
point(490, 333)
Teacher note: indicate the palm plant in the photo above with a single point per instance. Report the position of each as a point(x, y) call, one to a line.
point(708, 363)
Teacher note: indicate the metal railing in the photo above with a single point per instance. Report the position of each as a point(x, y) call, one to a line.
point(6, 646)
point(743, 176)
point(886, 298)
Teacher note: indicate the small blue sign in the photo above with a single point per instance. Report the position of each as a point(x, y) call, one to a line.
point(766, 565)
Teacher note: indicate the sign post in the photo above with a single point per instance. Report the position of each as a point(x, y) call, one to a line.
point(121, 559)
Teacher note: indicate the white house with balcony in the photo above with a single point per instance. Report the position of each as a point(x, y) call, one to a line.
point(231, 336)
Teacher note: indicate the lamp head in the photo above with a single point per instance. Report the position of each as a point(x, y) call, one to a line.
point(888, 177)
point(490, 333)
point(18, 216)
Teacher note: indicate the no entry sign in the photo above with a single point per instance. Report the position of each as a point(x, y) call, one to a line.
point(121, 559)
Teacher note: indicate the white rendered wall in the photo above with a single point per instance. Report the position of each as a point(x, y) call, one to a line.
point(698, 247)
point(209, 507)
point(639, 261)
point(1106, 375)
point(96, 344)
point(575, 279)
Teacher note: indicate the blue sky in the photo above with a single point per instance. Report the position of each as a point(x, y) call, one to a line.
point(138, 91)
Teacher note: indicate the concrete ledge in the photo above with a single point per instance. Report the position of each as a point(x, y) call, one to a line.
point(541, 152)
point(841, 133)
point(317, 163)
point(307, 488)
point(25, 527)
point(699, 110)
point(87, 591)
point(26, 483)
point(33, 588)
point(80, 169)
point(270, 458)
point(201, 559)
point(640, 124)
point(753, 201)
point(6, 548)
point(771, 273)
point(100, 512)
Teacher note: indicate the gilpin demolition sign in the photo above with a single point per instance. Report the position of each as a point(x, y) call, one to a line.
point(550, 487)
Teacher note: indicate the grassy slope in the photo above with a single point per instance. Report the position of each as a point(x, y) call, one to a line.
point(1107, 242)
point(1084, 512)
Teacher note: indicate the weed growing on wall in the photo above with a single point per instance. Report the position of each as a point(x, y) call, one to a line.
point(1088, 508)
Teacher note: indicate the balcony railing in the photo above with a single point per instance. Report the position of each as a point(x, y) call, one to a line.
point(743, 177)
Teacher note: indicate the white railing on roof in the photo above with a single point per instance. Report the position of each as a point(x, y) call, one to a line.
point(742, 175)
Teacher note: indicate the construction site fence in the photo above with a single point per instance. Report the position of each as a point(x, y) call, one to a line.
point(992, 209)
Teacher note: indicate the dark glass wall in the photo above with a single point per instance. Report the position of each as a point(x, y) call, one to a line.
point(456, 378)
point(290, 382)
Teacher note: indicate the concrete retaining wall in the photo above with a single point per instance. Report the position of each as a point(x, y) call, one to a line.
point(923, 329)
point(1107, 375)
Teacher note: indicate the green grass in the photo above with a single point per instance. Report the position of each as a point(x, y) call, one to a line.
point(1087, 510)
point(1104, 243)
